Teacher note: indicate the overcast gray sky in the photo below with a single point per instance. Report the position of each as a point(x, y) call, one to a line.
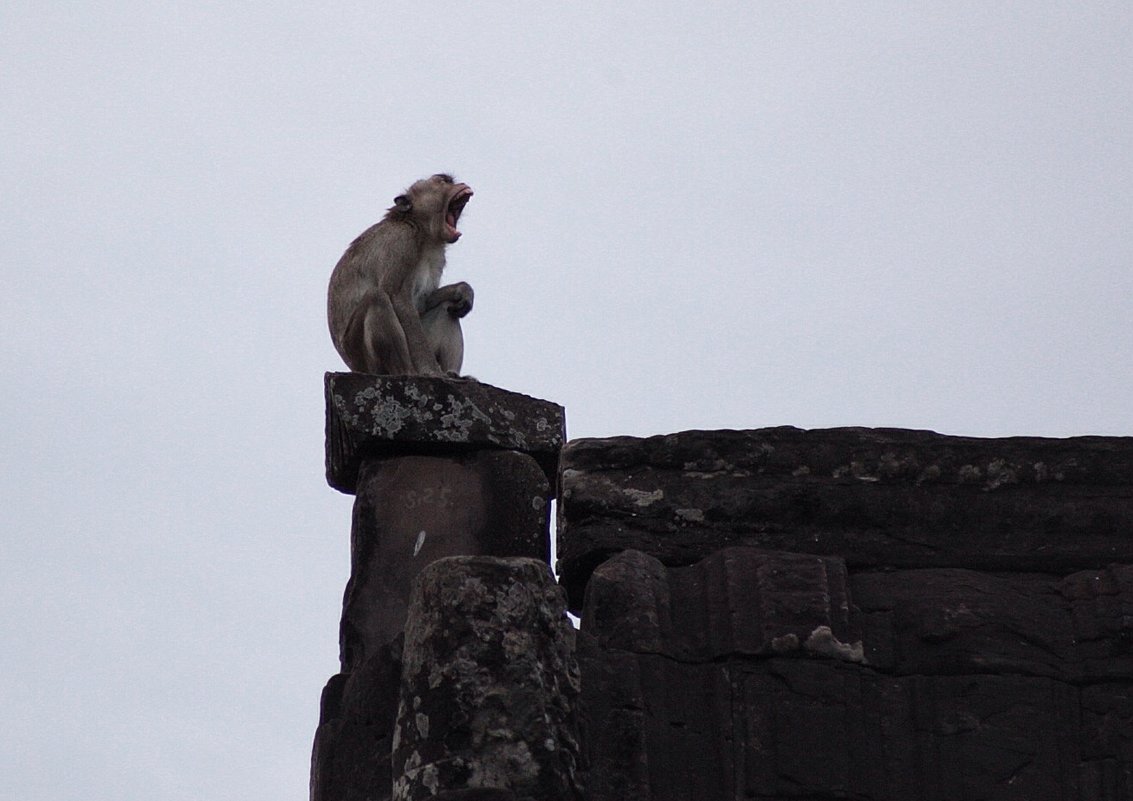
point(686, 216)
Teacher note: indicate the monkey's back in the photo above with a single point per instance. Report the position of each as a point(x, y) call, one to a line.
point(357, 273)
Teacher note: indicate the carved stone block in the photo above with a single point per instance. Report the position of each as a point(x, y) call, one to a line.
point(738, 601)
point(823, 730)
point(874, 497)
point(489, 685)
point(351, 756)
point(1006, 687)
point(412, 510)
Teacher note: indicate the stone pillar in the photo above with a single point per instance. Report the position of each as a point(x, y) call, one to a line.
point(411, 510)
point(439, 467)
point(489, 686)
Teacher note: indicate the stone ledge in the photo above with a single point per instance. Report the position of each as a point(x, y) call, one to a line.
point(372, 416)
point(877, 498)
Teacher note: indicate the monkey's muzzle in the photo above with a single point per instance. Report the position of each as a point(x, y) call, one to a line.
point(455, 207)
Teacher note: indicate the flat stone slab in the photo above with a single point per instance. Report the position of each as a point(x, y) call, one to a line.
point(371, 416)
point(874, 497)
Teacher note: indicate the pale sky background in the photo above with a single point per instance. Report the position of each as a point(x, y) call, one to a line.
point(703, 215)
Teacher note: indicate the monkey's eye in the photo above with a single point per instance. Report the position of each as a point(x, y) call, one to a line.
point(443, 177)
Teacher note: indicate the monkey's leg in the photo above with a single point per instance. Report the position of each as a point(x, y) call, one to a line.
point(442, 328)
point(384, 343)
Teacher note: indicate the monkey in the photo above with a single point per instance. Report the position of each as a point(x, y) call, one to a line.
point(386, 310)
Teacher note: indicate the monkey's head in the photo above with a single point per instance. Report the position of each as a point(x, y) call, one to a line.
point(434, 205)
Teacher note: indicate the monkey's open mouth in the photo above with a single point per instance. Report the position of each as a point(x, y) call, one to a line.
point(452, 213)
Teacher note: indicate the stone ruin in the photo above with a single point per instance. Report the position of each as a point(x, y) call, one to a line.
point(776, 614)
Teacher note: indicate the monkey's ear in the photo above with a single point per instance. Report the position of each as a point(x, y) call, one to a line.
point(401, 202)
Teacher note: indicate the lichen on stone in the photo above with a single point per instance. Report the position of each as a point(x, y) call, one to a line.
point(822, 642)
point(642, 497)
point(388, 418)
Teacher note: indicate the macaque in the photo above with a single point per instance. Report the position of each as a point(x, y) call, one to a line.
point(387, 312)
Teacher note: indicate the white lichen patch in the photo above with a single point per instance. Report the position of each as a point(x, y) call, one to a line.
point(422, 722)
point(413, 761)
point(504, 764)
point(690, 515)
point(857, 470)
point(389, 418)
point(785, 643)
point(643, 498)
point(706, 467)
point(970, 473)
point(889, 464)
point(999, 473)
point(430, 778)
point(929, 474)
point(419, 542)
point(823, 643)
point(473, 592)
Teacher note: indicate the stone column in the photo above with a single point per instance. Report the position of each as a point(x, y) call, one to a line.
point(489, 686)
point(439, 467)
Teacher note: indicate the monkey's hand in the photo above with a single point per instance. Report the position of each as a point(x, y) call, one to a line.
point(462, 304)
point(457, 298)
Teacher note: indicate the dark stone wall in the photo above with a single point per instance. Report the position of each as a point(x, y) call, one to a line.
point(866, 614)
point(777, 615)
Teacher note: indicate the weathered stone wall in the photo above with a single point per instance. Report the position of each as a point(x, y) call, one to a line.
point(879, 615)
point(872, 614)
